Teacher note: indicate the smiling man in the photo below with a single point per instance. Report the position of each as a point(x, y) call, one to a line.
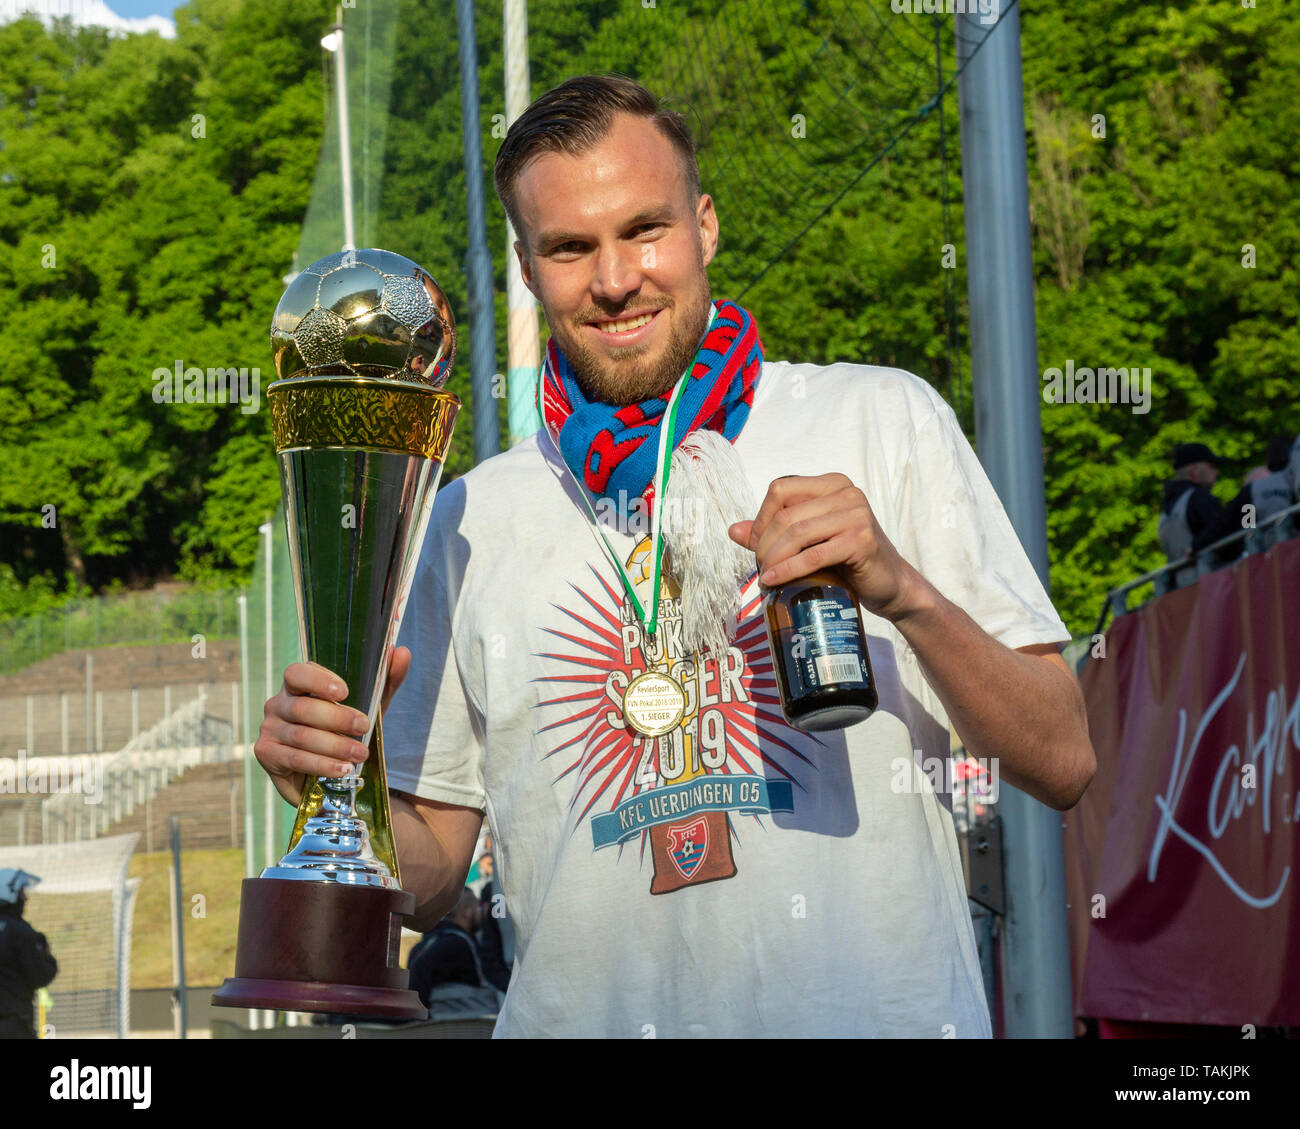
point(617, 256)
point(678, 860)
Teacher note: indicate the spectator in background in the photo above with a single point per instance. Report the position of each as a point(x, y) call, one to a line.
point(1188, 508)
point(449, 956)
point(26, 963)
point(1273, 492)
point(477, 878)
point(1259, 499)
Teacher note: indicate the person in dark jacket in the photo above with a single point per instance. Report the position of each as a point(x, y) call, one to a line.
point(1259, 499)
point(1188, 508)
point(448, 953)
point(26, 963)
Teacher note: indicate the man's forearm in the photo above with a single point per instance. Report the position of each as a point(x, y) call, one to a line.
point(1023, 709)
point(427, 870)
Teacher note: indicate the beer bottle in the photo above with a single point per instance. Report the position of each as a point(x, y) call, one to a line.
point(819, 652)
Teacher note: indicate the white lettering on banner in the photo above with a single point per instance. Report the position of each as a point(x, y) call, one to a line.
point(1227, 799)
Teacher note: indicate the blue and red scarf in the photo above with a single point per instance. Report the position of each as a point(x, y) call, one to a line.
point(612, 450)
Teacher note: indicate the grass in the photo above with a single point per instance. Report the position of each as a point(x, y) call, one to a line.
point(209, 939)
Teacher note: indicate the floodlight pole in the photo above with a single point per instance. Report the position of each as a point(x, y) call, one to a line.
point(1036, 992)
point(523, 349)
point(478, 263)
point(333, 42)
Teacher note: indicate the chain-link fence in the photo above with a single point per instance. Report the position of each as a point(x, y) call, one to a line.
point(269, 643)
point(121, 713)
point(158, 617)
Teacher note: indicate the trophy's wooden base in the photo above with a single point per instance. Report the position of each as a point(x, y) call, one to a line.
point(321, 946)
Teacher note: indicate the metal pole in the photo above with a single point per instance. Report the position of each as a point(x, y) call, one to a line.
point(1004, 364)
point(268, 831)
point(90, 702)
point(250, 868)
point(367, 102)
point(345, 141)
point(521, 332)
point(268, 791)
point(478, 263)
point(178, 930)
point(243, 726)
point(268, 1016)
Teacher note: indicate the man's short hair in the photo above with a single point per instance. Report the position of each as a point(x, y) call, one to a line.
point(576, 116)
point(1187, 453)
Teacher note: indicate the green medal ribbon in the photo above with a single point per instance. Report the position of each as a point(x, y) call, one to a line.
point(662, 466)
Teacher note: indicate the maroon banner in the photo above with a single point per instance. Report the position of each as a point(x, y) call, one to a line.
point(1183, 858)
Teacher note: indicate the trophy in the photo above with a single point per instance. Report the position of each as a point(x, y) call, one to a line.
point(363, 342)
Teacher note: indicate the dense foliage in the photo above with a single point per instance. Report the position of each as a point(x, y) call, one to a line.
point(152, 193)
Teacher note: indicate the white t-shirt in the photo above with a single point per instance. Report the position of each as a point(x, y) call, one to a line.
point(842, 908)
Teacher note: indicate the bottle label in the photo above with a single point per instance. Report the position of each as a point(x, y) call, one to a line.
point(826, 646)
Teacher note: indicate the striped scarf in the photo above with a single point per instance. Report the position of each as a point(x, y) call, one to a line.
point(612, 450)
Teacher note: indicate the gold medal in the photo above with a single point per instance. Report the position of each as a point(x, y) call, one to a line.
point(654, 703)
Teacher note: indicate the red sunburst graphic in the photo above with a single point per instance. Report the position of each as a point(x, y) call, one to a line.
point(609, 762)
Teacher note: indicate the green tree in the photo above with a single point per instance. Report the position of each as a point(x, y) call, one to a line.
point(152, 191)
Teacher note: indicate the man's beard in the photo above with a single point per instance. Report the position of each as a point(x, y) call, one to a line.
point(632, 378)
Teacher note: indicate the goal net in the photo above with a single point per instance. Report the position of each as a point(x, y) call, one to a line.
point(83, 905)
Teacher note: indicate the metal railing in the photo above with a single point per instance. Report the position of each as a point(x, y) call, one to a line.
point(1272, 530)
point(132, 776)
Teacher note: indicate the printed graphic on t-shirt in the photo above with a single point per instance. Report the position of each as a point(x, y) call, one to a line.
point(684, 793)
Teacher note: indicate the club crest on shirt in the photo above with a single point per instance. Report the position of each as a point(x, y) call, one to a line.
point(688, 846)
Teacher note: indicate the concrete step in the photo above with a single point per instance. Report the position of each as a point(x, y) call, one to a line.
point(209, 799)
point(210, 802)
